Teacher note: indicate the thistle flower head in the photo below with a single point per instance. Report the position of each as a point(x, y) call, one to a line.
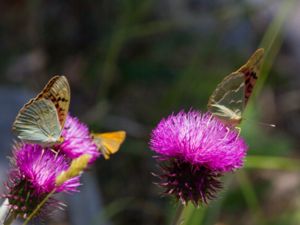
point(199, 139)
point(34, 176)
point(194, 150)
point(40, 167)
point(77, 140)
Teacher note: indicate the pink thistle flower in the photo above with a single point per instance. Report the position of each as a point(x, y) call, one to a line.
point(77, 140)
point(41, 167)
point(199, 139)
point(195, 150)
point(33, 177)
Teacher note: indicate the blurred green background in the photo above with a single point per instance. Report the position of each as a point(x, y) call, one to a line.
point(132, 62)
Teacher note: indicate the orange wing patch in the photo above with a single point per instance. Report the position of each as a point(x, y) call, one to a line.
point(109, 143)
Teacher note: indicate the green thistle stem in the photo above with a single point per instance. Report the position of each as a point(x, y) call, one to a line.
point(178, 220)
point(35, 211)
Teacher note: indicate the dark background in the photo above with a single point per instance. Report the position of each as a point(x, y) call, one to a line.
point(130, 63)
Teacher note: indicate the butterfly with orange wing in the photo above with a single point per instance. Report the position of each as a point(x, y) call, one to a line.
point(109, 143)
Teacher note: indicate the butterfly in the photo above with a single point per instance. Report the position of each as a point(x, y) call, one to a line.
point(42, 119)
point(231, 96)
point(109, 143)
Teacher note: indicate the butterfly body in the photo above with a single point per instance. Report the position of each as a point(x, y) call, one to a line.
point(42, 119)
point(231, 96)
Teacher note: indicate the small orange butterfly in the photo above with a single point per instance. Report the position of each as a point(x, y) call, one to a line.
point(231, 96)
point(109, 143)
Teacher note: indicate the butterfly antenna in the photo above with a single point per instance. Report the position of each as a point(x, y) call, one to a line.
point(266, 124)
point(262, 123)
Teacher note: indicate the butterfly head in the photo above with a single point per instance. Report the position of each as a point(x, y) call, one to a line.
point(52, 141)
point(60, 140)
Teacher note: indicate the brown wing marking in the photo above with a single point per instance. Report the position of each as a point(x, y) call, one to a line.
point(58, 91)
point(251, 71)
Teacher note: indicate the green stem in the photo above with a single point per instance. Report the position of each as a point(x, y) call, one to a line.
point(35, 211)
point(188, 212)
point(177, 220)
point(251, 197)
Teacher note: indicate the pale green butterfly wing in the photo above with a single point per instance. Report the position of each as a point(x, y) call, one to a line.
point(230, 98)
point(38, 123)
point(227, 101)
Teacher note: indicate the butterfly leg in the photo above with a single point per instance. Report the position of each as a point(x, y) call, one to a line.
point(54, 151)
point(227, 132)
point(239, 132)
